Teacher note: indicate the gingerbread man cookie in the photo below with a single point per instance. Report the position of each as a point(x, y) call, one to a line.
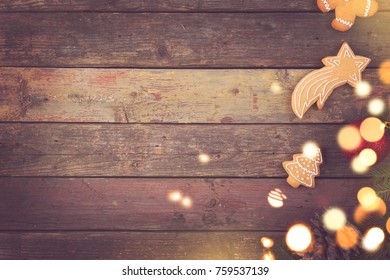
point(347, 10)
point(302, 169)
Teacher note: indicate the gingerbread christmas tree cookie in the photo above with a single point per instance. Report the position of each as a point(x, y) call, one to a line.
point(318, 85)
point(302, 169)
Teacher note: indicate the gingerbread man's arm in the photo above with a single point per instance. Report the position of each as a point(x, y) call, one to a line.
point(344, 19)
point(326, 5)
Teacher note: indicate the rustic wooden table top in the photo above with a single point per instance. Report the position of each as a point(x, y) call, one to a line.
point(106, 105)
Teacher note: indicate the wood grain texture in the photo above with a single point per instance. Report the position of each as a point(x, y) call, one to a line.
point(162, 150)
point(143, 204)
point(168, 96)
point(159, 5)
point(292, 40)
point(165, 6)
point(132, 245)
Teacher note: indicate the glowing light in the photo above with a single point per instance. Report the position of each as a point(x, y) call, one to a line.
point(384, 72)
point(298, 238)
point(267, 242)
point(363, 89)
point(388, 225)
point(186, 202)
point(376, 106)
point(174, 196)
point(349, 138)
point(366, 197)
point(368, 157)
point(268, 256)
point(276, 87)
point(378, 207)
point(275, 198)
point(334, 219)
point(357, 166)
point(310, 149)
point(381, 208)
point(373, 239)
point(204, 158)
point(347, 237)
point(372, 129)
point(360, 214)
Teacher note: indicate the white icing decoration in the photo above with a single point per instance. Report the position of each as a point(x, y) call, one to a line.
point(317, 159)
point(345, 22)
point(368, 8)
point(326, 4)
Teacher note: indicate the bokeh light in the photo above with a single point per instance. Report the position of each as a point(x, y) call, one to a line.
point(334, 219)
point(175, 196)
point(276, 87)
point(268, 256)
point(373, 239)
point(388, 225)
point(275, 198)
point(381, 208)
point(357, 166)
point(299, 238)
point(372, 129)
point(203, 158)
point(310, 149)
point(349, 138)
point(360, 214)
point(186, 202)
point(370, 203)
point(384, 72)
point(267, 242)
point(347, 237)
point(366, 197)
point(363, 89)
point(376, 107)
point(368, 157)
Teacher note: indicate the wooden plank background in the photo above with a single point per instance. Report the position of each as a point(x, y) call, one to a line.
point(105, 107)
point(124, 203)
point(164, 6)
point(174, 40)
point(167, 96)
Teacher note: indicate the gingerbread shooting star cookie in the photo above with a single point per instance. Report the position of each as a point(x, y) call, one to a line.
point(318, 85)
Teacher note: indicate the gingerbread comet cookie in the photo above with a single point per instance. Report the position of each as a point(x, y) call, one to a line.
point(318, 85)
point(302, 169)
point(347, 11)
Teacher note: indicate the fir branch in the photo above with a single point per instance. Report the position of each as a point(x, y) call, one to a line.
point(283, 253)
point(381, 181)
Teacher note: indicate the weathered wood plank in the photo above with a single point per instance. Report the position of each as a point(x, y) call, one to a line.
point(164, 6)
point(156, 40)
point(168, 96)
point(133, 245)
point(161, 150)
point(157, 6)
point(143, 204)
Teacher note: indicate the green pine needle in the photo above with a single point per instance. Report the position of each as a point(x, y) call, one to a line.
point(381, 181)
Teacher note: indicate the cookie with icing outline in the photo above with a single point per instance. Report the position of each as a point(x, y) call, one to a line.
point(302, 169)
point(347, 10)
point(318, 85)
